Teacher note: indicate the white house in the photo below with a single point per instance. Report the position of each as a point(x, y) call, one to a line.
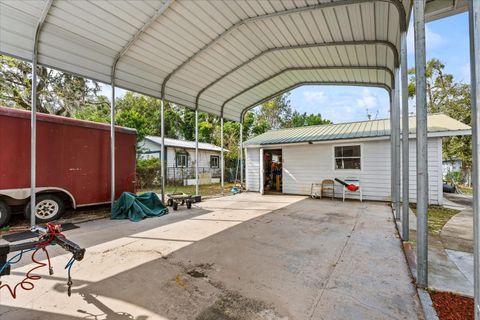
point(298, 157)
point(181, 161)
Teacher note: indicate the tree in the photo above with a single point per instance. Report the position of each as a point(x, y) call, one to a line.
point(57, 92)
point(276, 112)
point(304, 119)
point(445, 95)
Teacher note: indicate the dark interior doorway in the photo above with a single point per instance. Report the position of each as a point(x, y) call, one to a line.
point(272, 171)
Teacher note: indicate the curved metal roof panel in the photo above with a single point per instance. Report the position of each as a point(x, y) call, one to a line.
point(201, 53)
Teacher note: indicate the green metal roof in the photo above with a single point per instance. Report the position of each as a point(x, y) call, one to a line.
point(437, 123)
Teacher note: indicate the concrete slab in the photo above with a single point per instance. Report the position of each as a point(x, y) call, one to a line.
point(444, 274)
point(464, 262)
point(457, 234)
point(240, 257)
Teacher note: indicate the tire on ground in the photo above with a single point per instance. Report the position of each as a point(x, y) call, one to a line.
point(5, 213)
point(49, 207)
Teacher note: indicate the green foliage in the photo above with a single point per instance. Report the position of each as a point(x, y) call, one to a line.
point(453, 177)
point(148, 163)
point(304, 119)
point(57, 92)
point(148, 173)
point(453, 98)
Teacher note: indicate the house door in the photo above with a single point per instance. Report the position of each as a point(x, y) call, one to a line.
point(272, 171)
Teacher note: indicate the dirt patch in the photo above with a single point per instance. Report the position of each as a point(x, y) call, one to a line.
point(452, 307)
point(234, 306)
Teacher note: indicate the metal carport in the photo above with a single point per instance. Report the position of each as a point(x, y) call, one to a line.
point(226, 57)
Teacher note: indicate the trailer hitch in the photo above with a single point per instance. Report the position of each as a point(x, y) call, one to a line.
point(51, 234)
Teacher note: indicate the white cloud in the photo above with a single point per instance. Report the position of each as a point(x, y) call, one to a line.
point(342, 104)
point(433, 40)
point(314, 96)
point(367, 100)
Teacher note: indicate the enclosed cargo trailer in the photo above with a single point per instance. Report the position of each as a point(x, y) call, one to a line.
point(73, 163)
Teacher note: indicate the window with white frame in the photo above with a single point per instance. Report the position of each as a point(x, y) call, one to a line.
point(348, 157)
point(181, 160)
point(214, 162)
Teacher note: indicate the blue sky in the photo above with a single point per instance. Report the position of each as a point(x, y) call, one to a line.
point(447, 40)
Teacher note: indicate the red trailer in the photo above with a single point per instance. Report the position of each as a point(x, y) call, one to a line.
point(73, 163)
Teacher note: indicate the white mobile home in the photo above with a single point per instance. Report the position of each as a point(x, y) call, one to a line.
point(180, 158)
point(290, 160)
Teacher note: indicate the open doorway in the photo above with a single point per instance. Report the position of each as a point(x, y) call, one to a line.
point(272, 171)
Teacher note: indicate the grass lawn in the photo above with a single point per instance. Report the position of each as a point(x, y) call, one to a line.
point(437, 217)
point(466, 190)
point(205, 189)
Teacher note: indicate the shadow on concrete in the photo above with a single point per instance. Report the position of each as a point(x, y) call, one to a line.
point(311, 258)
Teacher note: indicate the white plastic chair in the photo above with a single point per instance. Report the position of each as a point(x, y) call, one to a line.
point(354, 181)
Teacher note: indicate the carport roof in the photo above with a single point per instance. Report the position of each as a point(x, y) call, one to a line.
point(221, 57)
point(438, 124)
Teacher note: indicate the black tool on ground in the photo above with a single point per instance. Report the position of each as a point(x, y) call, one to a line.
point(51, 234)
point(179, 198)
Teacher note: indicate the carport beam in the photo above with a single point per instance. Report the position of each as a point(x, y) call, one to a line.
point(162, 147)
point(405, 134)
point(474, 19)
point(422, 144)
point(196, 153)
point(222, 160)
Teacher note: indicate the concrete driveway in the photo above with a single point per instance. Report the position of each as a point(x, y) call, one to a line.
point(240, 257)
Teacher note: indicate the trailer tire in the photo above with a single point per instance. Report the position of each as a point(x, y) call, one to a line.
point(5, 213)
point(189, 204)
point(175, 206)
point(169, 202)
point(51, 208)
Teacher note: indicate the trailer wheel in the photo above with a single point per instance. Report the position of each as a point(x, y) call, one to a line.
point(189, 204)
point(169, 202)
point(49, 207)
point(5, 213)
point(175, 206)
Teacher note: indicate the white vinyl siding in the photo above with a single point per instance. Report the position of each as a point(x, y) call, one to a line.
point(307, 164)
point(253, 169)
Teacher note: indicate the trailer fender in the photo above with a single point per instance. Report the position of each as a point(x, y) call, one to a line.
point(24, 193)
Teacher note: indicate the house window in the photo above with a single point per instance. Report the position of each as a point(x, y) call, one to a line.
point(214, 162)
point(348, 157)
point(182, 160)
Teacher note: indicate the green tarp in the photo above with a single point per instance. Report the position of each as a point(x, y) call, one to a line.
point(136, 208)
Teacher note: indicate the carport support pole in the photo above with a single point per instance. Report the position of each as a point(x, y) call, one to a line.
point(396, 126)
point(405, 134)
point(33, 118)
point(241, 154)
point(474, 17)
point(162, 147)
point(33, 142)
point(112, 146)
point(392, 149)
point(422, 144)
point(222, 160)
point(196, 153)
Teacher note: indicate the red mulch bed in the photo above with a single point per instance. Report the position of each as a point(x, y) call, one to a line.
point(450, 306)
